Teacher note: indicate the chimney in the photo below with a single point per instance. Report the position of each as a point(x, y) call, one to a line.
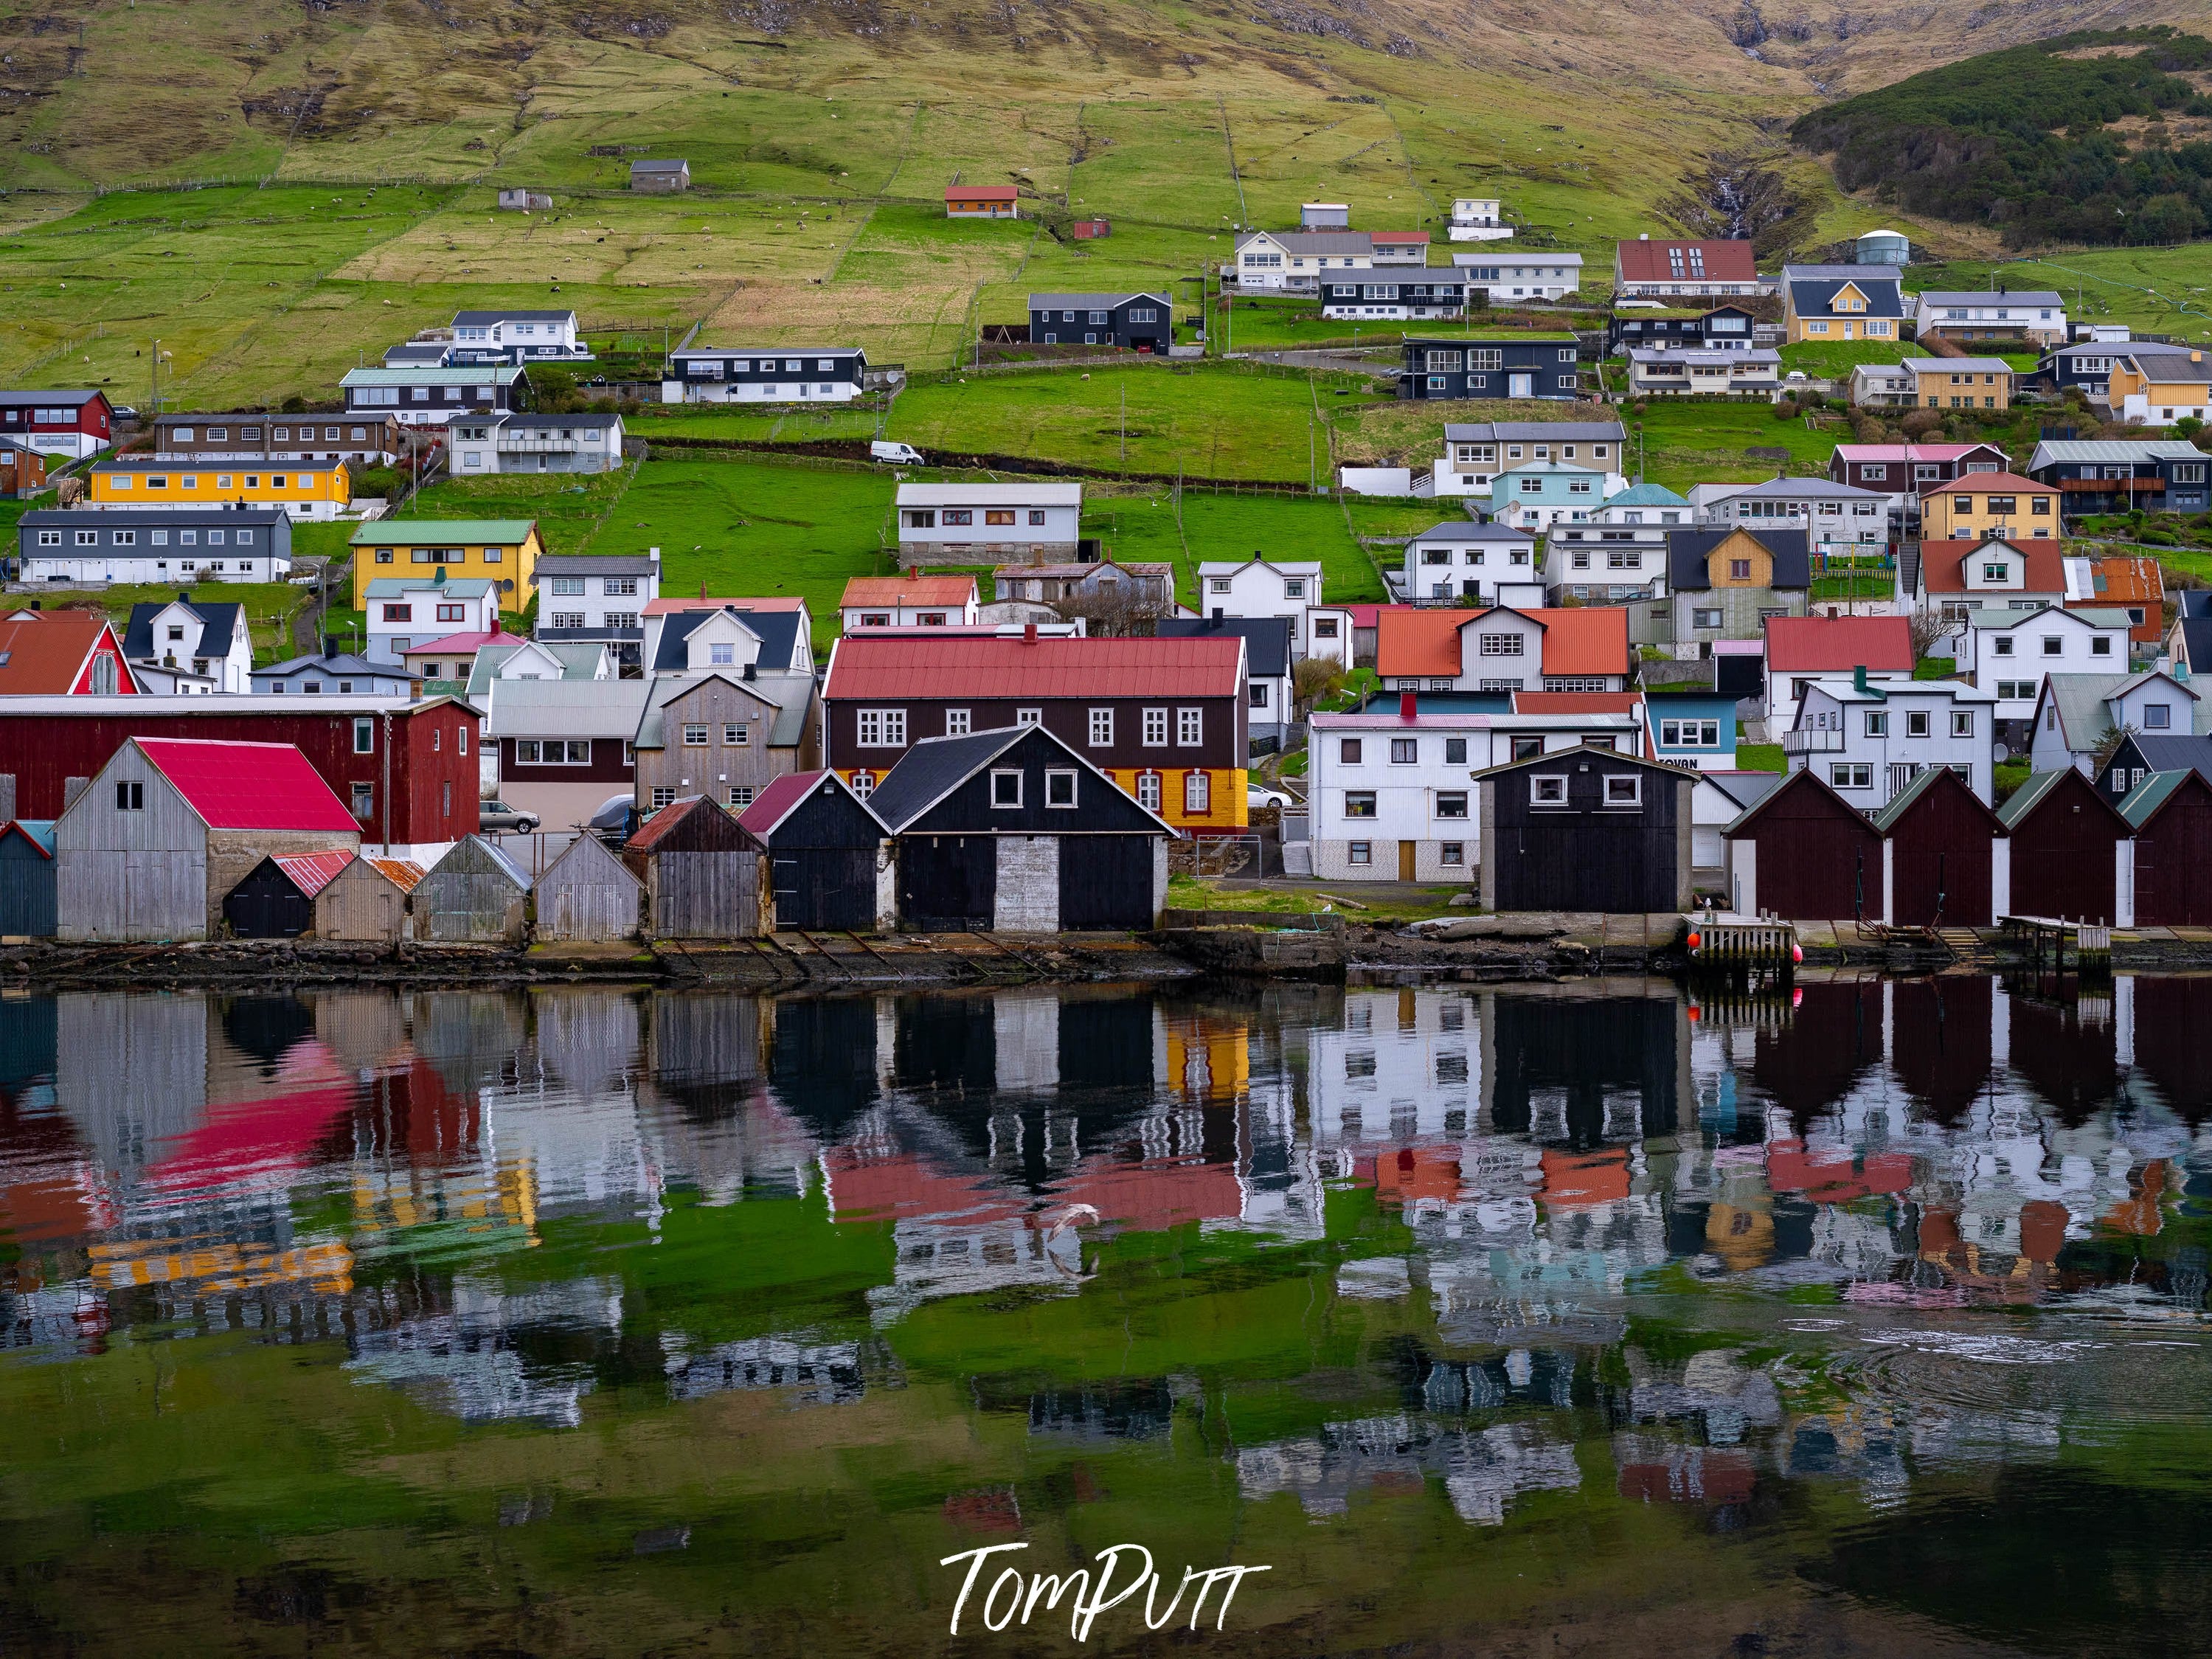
point(752, 671)
point(1255, 556)
point(330, 645)
point(1858, 677)
point(1831, 613)
point(1029, 634)
point(652, 553)
point(1409, 704)
point(702, 590)
point(37, 605)
point(184, 595)
point(913, 572)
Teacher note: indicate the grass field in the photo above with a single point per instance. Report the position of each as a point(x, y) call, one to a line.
point(2159, 290)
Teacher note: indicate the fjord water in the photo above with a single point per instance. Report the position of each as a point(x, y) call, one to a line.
point(1578, 1319)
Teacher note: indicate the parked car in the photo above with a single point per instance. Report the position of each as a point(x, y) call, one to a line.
point(497, 814)
point(1260, 795)
point(896, 454)
point(616, 821)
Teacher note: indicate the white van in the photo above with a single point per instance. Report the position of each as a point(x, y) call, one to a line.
point(896, 454)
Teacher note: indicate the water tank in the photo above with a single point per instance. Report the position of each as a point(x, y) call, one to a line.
point(1885, 247)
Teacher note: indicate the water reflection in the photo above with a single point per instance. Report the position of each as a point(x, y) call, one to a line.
point(1212, 1259)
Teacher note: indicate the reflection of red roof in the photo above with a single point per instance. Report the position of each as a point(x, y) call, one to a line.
point(1722, 261)
point(312, 872)
point(903, 1185)
point(1572, 1180)
point(1836, 645)
point(1835, 1177)
point(1417, 1172)
point(876, 666)
point(248, 786)
point(247, 1137)
point(1155, 1194)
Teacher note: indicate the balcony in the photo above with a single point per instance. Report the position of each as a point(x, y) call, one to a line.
point(537, 446)
point(1814, 740)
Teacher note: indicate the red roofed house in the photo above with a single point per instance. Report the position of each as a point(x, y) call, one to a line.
point(1647, 267)
point(980, 202)
point(56, 654)
point(913, 601)
point(1167, 719)
point(2126, 581)
point(1802, 648)
point(151, 848)
point(1958, 577)
point(1543, 648)
point(1905, 470)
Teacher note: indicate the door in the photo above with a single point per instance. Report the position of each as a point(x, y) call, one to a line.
point(948, 883)
point(267, 907)
point(1105, 882)
point(1406, 860)
point(826, 887)
point(1521, 385)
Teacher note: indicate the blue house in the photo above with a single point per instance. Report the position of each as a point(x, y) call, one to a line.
point(1693, 728)
point(1133, 322)
point(1539, 493)
point(26, 878)
point(1506, 365)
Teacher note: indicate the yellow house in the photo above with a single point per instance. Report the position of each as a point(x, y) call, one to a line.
point(504, 550)
point(1959, 382)
point(1841, 302)
point(1988, 504)
point(2159, 388)
point(306, 490)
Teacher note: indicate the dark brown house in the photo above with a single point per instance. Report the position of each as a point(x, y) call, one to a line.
point(828, 853)
point(701, 870)
point(1167, 720)
point(1938, 842)
point(1587, 829)
point(2067, 844)
point(2171, 813)
point(1805, 853)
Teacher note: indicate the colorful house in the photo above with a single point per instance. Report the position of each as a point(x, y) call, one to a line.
point(305, 490)
point(503, 551)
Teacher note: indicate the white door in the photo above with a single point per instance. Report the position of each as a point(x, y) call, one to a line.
point(1521, 386)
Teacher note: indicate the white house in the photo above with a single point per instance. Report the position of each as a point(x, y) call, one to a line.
point(1475, 452)
point(989, 523)
point(163, 545)
point(913, 601)
point(195, 637)
point(1803, 651)
point(1460, 560)
point(1292, 261)
point(1838, 518)
point(2076, 714)
point(1868, 740)
point(1258, 586)
point(516, 336)
point(1884, 386)
point(1705, 372)
point(536, 443)
point(594, 590)
point(1329, 634)
point(2009, 654)
point(1477, 219)
point(2035, 316)
point(1530, 274)
point(1392, 795)
point(403, 610)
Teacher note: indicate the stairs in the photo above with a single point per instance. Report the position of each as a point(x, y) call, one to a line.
point(1966, 948)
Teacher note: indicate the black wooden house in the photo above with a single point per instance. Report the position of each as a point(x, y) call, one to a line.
point(1011, 830)
point(1511, 365)
point(1134, 322)
point(1723, 328)
point(1587, 829)
point(825, 854)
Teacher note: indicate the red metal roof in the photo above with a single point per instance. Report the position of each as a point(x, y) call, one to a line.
point(43, 653)
point(248, 786)
point(1724, 262)
point(474, 640)
point(653, 829)
point(403, 873)
point(1591, 639)
point(1577, 703)
point(662, 607)
point(1398, 236)
point(979, 192)
point(939, 665)
point(953, 591)
point(1836, 645)
point(312, 872)
point(1943, 565)
point(1979, 483)
point(771, 805)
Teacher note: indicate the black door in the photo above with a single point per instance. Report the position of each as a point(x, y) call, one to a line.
point(948, 883)
point(1585, 861)
point(828, 887)
point(1105, 882)
point(267, 906)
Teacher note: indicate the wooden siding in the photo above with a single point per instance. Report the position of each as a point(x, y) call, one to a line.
point(468, 897)
point(267, 904)
point(1224, 731)
point(823, 859)
point(1818, 858)
point(947, 883)
point(361, 903)
point(1585, 856)
point(588, 894)
point(2062, 858)
point(715, 769)
point(1940, 862)
point(234, 854)
point(130, 875)
point(2173, 861)
point(706, 895)
point(27, 890)
point(1106, 882)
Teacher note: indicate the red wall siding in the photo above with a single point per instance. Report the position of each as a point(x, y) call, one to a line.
point(2063, 861)
point(1814, 850)
point(2173, 861)
point(1942, 846)
point(45, 751)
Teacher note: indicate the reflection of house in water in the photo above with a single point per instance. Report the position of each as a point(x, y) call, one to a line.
point(1111, 1408)
point(1712, 1387)
point(1656, 1471)
point(810, 1374)
point(1406, 1063)
point(1483, 1470)
point(479, 1360)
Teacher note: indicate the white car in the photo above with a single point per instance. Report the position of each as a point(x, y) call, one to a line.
point(1260, 795)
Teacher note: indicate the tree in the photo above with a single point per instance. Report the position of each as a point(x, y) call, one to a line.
point(1314, 679)
point(1115, 610)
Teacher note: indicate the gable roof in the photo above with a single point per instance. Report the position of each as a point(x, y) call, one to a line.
point(1745, 789)
point(1267, 638)
point(564, 709)
point(777, 630)
point(1931, 777)
point(475, 319)
point(979, 192)
point(432, 374)
point(1916, 366)
point(1943, 563)
point(346, 662)
point(43, 652)
point(39, 832)
point(789, 696)
point(930, 771)
point(1037, 494)
point(744, 604)
point(1512, 432)
point(438, 533)
point(1980, 483)
point(218, 628)
point(248, 786)
point(1984, 297)
point(312, 872)
point(2043, 786)
point(891, 666)
point(2111, 451)
point(1912, 451)
point(784, 795)
point(953, 591)
point(404, 873)
point(1575, 702)
point(1992, 619)
point(1797, 782)
point(474, 640)
point(1092, 301)
point(2166, 751)
point(477, 849)
point(1688, 549)
point(1591, 639)
point(1467, 530)
point(1601, 746)
point(1815, 296)
point(593, 564)
point(1718, 261)
point(2147, 798)
point(1646, 494)
point(1828, 645)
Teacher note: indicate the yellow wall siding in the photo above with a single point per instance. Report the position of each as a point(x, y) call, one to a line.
point(202, 486)
point(514, 564)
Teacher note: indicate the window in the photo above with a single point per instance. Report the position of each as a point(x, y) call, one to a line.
point(721, 656)
point(1451, 804)
point(1702, 617)
point(1991, 573)
point(1689, 734)
point(1360, 804)
point(1324, 627)
point(1037, 515)
point(1190, 727)
point(2101, 645)
point(2002, 646)
point(1148, 791)
point(1915, 722)
point(998, 515)
point(1102, 727)
point(1059, 787)
point(453, 613)
point(1005, 788)
point(364, 800)
point(694, 736)
point(883, 728)
point(1500, 645)
point(1623, 789)
point(566, 585)
point(1452, 852)
point(1348, 750)
point(1846, 775)
point(1156, 728)
point(956, 723)
point(1295, 589)
point(1962, 722)
point(130, 795)
point(667, 798)
point(2157, 716)
point(1548, 789)
point(959, 515)
point(1359, 852)
point(364, 737)
point(1404, 751)
point(1454, 752)
point(1197, 792)
point(1877, 724)
point(1739, 570)
point(1258, 697)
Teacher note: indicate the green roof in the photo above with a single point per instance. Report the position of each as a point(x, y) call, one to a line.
point(439, 532)
point(2147, 797)
point(2024, 799)
point(1646, 494)
point(1887, 817)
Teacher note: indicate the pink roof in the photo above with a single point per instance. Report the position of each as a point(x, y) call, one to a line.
point(932, 664)
point(312, 872)
point(776, 802)
point(1836, 645)
point(1906, 452)
point(979, 192)
point(248, 786)
point(908, 590)
point(715, 602)
point(458, 642)
point(1416, 236)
